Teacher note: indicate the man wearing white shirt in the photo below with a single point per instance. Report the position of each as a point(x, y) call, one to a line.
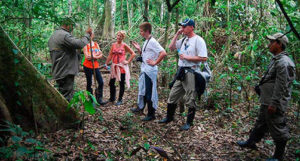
point(152, 54)
point(192, 50)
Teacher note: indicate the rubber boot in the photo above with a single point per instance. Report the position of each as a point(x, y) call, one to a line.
point(170, 114)
point(112, 89)
point(190, 119)
point(279, 151)
point(99, 97)
point(137, 109)
point(151, 112)
point(250, 143)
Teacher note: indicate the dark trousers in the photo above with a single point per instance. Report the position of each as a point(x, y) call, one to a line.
point(273, 123)
point(112, 87)
point(65, 86)
point(148, 95)
point(89, 77)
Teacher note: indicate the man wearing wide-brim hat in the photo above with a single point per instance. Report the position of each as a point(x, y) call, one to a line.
point(65, 64)
point(275, 92)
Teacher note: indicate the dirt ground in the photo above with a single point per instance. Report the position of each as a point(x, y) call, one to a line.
point(114, 133)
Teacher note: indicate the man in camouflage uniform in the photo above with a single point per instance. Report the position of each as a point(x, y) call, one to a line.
point(65, 59)
point(275, 93)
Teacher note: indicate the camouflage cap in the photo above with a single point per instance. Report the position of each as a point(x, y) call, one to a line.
point(67, 21)
point(280, 37)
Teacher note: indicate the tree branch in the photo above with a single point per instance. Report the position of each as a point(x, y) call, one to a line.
point(18, 18)
point(288, 19)
point(170, 7)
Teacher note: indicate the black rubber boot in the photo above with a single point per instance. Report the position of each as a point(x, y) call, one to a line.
point(247, 144)
point(151, 112)
point(190, 119)
point(279, 151)
point(101, 102)
point(255, 137)
point(112, 89)
point(170, 114)
point(99, 95)
point(137, 110)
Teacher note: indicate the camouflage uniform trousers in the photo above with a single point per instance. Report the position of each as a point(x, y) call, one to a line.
point(274, 123)
point(65, 86)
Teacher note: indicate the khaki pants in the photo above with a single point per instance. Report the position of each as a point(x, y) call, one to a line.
point(185, 89)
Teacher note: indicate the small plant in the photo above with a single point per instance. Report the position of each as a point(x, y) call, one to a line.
point(85, 99)
point(21, 145)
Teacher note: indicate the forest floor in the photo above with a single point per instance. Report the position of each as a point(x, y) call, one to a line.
point(114, 133)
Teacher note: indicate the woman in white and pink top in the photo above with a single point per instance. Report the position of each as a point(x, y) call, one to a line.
point(119, 67)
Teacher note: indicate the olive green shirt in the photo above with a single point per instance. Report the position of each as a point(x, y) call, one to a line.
point(276, 86)
point(62, 47)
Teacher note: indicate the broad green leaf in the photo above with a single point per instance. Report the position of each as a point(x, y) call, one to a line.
point(30, 140)
point(16, 139)
point(93, 98)
point(88, 106)
point(222, 76)
point(82, 97)
point(248, 78)
point(270, 142)
point(15, 51)
point(16, 61)
point(21, 151)
point(19, 103)
point(147, 146)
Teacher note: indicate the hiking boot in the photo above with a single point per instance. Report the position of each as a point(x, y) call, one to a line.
point(119, 103)
point(247, 144)
point(149, 118)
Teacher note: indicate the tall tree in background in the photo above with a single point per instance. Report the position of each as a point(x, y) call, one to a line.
point(109, 23)
point(129, 13)
point(70, 7)
point(146, 11)
point(121, 15)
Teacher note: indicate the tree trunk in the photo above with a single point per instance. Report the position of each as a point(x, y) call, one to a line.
point(27, 26)
point(121, 15)
point(99, 28)
point(27, 95)
point(176, 29)
point(161, 12)
point(165, 74)
point(146, 11)
point(4, 112)
point(128, 15)
point(168, 16)
point(70, 7)
point(108, 28)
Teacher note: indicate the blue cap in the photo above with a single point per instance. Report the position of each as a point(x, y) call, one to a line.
point(187, 22)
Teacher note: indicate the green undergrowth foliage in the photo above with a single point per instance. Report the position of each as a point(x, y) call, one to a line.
point(21, 145)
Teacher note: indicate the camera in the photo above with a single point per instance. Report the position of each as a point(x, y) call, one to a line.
point(139, 59)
